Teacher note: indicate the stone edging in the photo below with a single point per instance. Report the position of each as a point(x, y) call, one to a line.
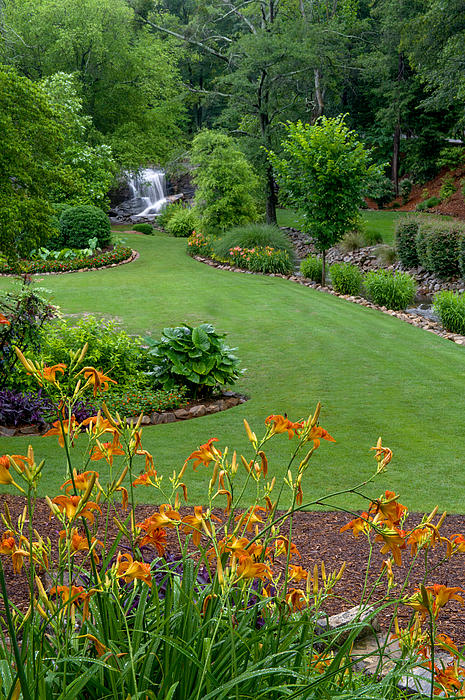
point(227, 400)
point(134, 255)
point(412, 319)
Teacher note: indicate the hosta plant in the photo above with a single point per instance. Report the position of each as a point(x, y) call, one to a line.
point(230, 612)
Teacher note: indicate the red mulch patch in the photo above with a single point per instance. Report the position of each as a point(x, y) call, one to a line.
point(318, 539)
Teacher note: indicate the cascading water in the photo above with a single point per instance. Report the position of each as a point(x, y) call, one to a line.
point(148, 185)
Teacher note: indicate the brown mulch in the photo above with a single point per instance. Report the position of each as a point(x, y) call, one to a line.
point(318, 538)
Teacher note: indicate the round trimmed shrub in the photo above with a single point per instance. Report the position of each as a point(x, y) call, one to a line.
point(79, 224)
point(395, 290)
point(253, 236)
point(406, 233)
point(312, 268)
point(147, 229)
point(346, 278)
point(182, 222)
point(421, 245)
point(450, 307)
point(442, 248)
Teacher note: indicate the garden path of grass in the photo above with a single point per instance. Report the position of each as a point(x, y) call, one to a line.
point(373, 374)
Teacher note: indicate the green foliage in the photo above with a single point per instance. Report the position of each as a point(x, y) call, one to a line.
point(111, 350)
point(406, 233)
point(380, 188)
point(131, 400)
point(447, 187)
point(428, 203)
point(85, 260)
point(353, 240)
point(405, 188)
point(183, 222)
point(450, 307)
point(371, 236)
point(394, 290)
point(79, 224)
point(323, 171)
point(170, 210)
point(253, 235)
point(442, 248)
point(193, 357)
point(260, 259)
point(421, 244)
point(346, 278)
point(200, 244)
point(451, 157)
point(226, 183)
point(31, 140)
point(386, 254)
point(147, 229)
point(311, 268)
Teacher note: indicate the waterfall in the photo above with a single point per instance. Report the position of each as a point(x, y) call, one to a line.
point(148, 185)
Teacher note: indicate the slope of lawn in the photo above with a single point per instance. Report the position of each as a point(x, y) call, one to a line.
point(373, 374)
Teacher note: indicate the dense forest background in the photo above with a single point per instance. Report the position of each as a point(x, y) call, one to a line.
point(133, 80)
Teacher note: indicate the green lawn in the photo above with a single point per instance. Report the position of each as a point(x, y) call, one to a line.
point(382, 221)
point(373, 374)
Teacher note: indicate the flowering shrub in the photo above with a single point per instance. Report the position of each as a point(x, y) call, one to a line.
point(259, 259)
point(134, 402)
point(111, 257)
point(239, 616)
point(200, 244)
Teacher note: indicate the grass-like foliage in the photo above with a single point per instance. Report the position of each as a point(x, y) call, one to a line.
point(386, 254)
point(372, 236)
point(260, 259)
point(352, 240)
point(229, 612)
point(196, 358)
point(450, 307)
point(395, 290)
point(346, 278)
point(200, 244)
point(311, 268)
point(182, 222)
point(253, 236)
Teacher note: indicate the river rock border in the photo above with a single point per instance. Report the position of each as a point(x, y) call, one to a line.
point(226, 400)
point(134, 255)
point(412, 319)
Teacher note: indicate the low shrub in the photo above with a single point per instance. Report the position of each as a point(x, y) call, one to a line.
point(111, 257)
point(442, 248)
point(182, 223)
point(462, 256)
point(265, 260)
point(394, 290)
point(450, 307)
point(406, 234)
point(421, 244)
point(353, 240)
point(380, 188)
point(165, 215)
point(312, 268)
point(405, 188)
point(386, 254)
point(200, 244)
point(346, 278)
point(447, 187)
point(81, 223)
point(19, 408)
point(132, 401)
point(147, 229)
point(196, 358)
point(371, 237)
point(253, 236)
point(451, 157)
point(428, 203)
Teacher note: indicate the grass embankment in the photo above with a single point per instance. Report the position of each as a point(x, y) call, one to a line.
point(373, 374)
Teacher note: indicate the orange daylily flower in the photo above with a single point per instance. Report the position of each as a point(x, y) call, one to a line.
point(297, 573)
point(388, 509)
point(4, 321)
point(49, 373)
point(166, 518)
point(424, 536)
point(74, 595)
point(197, 524)
point(247, 568)
point(23, 461)
point(130, 570)
point(67, 427)
point(449, 679)
point(99, 425)
point(317, 434)
point(82, 481)
point(394, 541)
point(383, 455)
point(143, 480)
point(5, 475)
point(281, 424)
point(156, 538)
point(96, 379)
point(79, 543)
point(297, 599)
point(205, 454)
point(73, 507)
point(437, 595)
point(458, 542)
point(8, 546)
point(100, 648)
point(106, 451)
point(282, 547)
point(358, 525)
point(250, 518)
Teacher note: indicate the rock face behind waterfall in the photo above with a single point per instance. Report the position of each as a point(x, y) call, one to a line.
point(144, 197)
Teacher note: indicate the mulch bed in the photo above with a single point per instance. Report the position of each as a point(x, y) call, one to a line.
point(317, 536)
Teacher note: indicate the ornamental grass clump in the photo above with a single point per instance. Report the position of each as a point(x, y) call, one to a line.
point(257, 259)
point(394, 290)
point(450, 307)
point(253, 236)
point(311, 268)
point(230, 612)
point(346, 278)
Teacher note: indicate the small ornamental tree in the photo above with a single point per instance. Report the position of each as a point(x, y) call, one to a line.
point(322, 172)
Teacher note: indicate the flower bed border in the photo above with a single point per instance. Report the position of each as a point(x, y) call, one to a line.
point(412, 319)
point(228, 399)
point(133, 256)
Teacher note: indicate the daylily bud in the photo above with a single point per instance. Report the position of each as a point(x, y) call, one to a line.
point(316, 415)
point(323, 571)
point(234, 464)
point(245, 463)
point(252, 437)
point(315, 579)
point(341, 571)
point(83, 353)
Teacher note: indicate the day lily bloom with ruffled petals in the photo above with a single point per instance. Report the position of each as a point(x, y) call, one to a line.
point(247, 568)
point(5, 475)
point(282, 547)
point(437, 596)
point(49, 373)
point(281, 424)
point(388, 509)
point(250, 518)
point(156, 538)
point(67, 427)
point(130, 570)
point(74, 595)
point(197, 524)
point(4, 321)
point(297, 573)
point(316, 434)
point(82, 481)
point(166, 517)
point(96, 379)
point(358, 525)
point(205, 454)
point(9, 547)
point(394, 541)
point(74, 507)
point(297, 599)
point(79, 543)
point(106, 451)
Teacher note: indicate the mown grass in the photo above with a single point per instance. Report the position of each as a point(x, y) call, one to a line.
point(374, 375)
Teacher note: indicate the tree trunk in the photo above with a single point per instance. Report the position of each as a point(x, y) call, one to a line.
point(320, 103)
point(395, 159)
point(270, 197)
point(323, 269)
